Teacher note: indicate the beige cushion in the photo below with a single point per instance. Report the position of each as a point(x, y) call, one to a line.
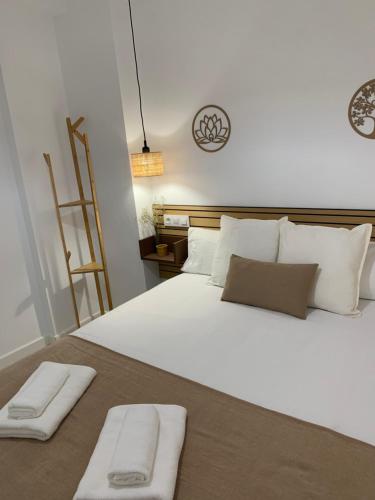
point(280, 287)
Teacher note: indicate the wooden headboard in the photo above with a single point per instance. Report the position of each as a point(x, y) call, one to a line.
point(209, 217)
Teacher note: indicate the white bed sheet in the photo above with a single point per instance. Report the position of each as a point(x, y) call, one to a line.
point(321, 370)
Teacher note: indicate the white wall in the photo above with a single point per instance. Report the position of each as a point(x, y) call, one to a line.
point(284, 72)
point(91, 79)
point(19, 325)
point(34, 296)
point(142, 187)
point(33, 107)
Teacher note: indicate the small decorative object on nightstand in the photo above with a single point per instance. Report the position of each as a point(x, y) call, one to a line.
point(162, 249)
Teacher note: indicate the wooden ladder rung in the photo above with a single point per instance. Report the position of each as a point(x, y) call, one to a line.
point(77, 203)
point(92, 267)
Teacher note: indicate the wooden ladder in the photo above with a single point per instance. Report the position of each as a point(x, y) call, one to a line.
point(93, 266)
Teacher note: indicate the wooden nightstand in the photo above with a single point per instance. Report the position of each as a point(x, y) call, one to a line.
point(170, 265)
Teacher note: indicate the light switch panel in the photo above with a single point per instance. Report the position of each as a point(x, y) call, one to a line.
point(176, 220)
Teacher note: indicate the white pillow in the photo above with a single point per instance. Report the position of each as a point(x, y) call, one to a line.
point(250, 238)
point(367, 286)
point(201, 248)
point(340, 254)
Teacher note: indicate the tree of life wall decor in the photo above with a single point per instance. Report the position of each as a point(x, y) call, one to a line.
point(211, 128)
point(362, 110)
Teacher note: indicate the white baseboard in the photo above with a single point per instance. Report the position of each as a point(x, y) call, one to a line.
point(74, 328)
point(19, 353)
point(37, 344)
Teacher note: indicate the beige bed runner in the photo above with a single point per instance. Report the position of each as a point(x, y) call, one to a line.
point(233, 450)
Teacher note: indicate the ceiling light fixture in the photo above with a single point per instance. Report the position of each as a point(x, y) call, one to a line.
point(148, 163)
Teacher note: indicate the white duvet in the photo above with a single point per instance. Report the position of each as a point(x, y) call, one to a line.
point(321, 370)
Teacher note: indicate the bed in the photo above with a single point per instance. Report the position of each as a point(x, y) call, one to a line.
point(320, 370)
point(278, 408)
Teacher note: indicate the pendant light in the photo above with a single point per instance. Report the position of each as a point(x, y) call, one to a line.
point(148, 163)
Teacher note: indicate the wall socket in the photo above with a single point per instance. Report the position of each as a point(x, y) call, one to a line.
point(176, 220)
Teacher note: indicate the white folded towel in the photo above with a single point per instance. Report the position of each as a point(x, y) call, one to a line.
point(44, 426)
point(95, 484)
point(133, 459)
point(40, 388)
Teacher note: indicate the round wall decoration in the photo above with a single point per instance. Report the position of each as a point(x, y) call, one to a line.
point(362, 110)
point(211, 128)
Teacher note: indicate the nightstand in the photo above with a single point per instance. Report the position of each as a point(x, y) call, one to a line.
point(170, 265)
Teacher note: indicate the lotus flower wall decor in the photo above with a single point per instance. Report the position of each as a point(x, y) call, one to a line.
point(211, 128)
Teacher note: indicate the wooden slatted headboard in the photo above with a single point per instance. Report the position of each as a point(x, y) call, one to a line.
point(209, 217)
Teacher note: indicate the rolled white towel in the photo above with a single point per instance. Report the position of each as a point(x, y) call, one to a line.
point(44, 426)
point(40, 388)
point(133, 459)
point(95, 485)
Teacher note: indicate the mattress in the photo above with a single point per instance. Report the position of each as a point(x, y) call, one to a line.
point(320, 370)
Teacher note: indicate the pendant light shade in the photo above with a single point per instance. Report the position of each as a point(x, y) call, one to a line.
point(147, 164)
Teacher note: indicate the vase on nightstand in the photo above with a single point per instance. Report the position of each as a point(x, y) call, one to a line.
point(162, 249)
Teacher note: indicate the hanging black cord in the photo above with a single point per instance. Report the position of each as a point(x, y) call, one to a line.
point(145, 148)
